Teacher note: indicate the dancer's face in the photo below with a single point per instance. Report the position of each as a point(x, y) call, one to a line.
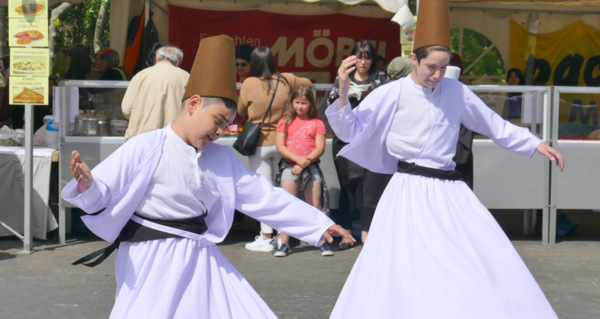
point(431, 69)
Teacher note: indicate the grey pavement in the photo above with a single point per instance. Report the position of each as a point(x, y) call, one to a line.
point(303, 285)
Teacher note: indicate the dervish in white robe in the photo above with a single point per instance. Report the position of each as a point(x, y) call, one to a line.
point(433, 251)
point(157, 175)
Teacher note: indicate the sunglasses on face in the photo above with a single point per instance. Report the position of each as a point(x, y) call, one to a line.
point(241, 64)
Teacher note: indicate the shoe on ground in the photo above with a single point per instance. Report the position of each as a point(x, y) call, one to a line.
point(325, 250)
point(343, 245)
point(260, 244)
point(282, 251)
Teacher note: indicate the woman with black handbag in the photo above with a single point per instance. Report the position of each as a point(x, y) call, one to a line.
point(262, 99)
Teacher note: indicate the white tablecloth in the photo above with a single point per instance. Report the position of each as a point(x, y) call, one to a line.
point(12, 194)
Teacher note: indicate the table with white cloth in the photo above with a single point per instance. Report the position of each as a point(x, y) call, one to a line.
point(12, 191)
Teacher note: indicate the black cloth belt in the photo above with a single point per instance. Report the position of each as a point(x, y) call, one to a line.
point(136, 232)
point(414, 169)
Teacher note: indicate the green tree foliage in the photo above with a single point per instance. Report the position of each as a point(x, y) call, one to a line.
point(76, 26)
point(474, 44)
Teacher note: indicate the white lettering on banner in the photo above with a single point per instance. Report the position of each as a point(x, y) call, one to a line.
point(283, 54)
point(310, 52)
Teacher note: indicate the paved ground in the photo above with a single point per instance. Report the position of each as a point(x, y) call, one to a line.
point(303, 285)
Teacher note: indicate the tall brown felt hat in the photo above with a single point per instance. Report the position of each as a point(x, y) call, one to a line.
point(433, 27)
point(213, 72)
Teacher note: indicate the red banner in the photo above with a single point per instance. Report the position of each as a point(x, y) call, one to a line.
point(310, 46)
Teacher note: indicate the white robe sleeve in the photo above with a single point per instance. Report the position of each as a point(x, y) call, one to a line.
point(348, 123)
point(119, 184)
point(111, 177)
point(480, 118)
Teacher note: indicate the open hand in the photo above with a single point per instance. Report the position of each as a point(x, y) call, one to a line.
point(81, 172)
point(552, 154)
point(337, 230)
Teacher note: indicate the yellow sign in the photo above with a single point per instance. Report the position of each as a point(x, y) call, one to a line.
point(34, 62)
point(28, 90)
point(23, 33)
point(29, 9)
point(569, 57)
point(407, 39)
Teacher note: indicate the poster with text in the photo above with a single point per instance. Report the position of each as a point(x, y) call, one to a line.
point(28, 90)
point(28, 9)
point(34, 62)
point(23, 33)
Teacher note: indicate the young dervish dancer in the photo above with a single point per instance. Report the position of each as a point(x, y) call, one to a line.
point(168, 197)
point(434, 251)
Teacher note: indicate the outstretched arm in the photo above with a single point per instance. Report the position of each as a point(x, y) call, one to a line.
point(81, 172)
point(551, 154)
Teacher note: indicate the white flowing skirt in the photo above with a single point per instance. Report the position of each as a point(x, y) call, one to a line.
point(176, 278)
point(434, 251)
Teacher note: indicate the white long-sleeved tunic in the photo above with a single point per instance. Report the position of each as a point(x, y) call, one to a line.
point(433, 251)
point(370, 126)
point(185, 277)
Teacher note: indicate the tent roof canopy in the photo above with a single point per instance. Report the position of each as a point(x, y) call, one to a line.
point(533, 5)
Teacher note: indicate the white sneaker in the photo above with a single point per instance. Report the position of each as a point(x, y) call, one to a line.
point(260, 244)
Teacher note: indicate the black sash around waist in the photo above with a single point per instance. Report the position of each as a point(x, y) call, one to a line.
point(136, 232)
point(414, 169)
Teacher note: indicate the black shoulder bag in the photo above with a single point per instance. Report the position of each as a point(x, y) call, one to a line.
point(247, 140)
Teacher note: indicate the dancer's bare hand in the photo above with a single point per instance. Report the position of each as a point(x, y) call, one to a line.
point(347, 66)
point(552, 154)
point(337, 230)
point(81, 172)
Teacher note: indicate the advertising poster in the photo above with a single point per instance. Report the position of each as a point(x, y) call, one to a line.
point(407, 39)
point(25, 33)
point(33, 62)
point(27, 9)
point(28, 90)
point(567, 57)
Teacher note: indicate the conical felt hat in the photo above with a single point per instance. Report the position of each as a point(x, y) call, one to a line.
point(432, 27)
point(213, 72)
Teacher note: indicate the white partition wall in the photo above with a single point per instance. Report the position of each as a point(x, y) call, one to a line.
point(93, 149)
point(502, 179)
point(574, 133)
point(506, 180)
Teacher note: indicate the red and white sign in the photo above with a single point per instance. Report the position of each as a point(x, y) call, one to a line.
point(310, 46)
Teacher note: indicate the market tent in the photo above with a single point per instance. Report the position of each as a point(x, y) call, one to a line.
point(488, 17)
